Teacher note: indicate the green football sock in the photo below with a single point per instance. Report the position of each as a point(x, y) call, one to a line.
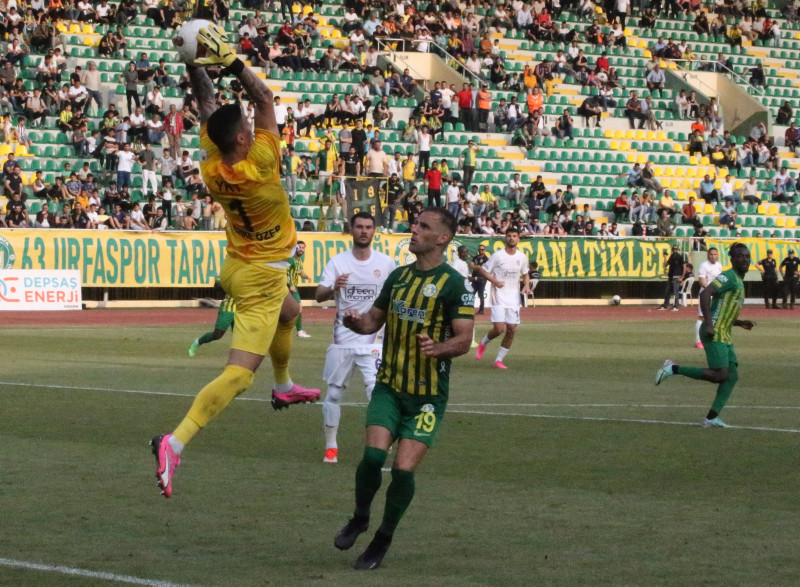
point(299, 324)
point(368, 479)
point(206, 338)
point(724, 390)
point(398, 497)
point(693, 372)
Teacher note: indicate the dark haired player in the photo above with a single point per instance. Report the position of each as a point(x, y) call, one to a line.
point(242, 173)
point(504, 270)
point(721, 302)
point(428, 314)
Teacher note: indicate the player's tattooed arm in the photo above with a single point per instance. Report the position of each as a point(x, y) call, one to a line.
point(261, 96)
point(203, 89)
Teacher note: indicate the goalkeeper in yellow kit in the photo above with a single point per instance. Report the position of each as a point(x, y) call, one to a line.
point(242, 173)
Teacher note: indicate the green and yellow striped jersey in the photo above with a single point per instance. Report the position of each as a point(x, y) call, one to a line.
point(420, 302)
point(727, 304)
point(227, 305)
point(295, 269)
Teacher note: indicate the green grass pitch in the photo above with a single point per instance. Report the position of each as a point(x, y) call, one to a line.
point(570, 468)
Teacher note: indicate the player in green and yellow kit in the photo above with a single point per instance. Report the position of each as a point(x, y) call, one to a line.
point(293, 275)
point(720, 315)
point(428, 314)
point(225, 317)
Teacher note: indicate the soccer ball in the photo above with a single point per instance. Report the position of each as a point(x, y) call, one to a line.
point(185, 41)
point(616, 300)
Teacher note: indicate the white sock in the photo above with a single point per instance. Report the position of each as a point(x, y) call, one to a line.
point(697, 326)
point(284, 387)
point(473, 335)
point(176, 445)
point(196, 341)
point(501, 354)
point(485, 340)
point(330, 437)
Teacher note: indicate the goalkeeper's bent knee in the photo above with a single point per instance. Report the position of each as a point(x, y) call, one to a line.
point(216, 396)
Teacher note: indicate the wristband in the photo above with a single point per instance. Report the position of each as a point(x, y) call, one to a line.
point(237, 67)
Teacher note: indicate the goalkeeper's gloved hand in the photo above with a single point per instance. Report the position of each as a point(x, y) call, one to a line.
point(214, 39)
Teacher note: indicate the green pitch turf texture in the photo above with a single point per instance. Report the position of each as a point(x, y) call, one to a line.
point(554, 472)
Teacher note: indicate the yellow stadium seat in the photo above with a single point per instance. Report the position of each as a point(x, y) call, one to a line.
point(658, 172)
point(669, 171)
point(631, 158)
point(693, 194)
point(780, 222)
point(680, 172)
point(21, 151)
point(762, 209)
point(641, 159)
point(640, 135)
point(697, 205)
point(661, 135)
point(625, 146)
point(313, 147)
point(614, 146)
point(705, 161)
point(619, 134)
point(335, 34)
point(609, 134)
point(677, 147)
point(738, 184)
point(651, 136)
point(791, 223)
point(5, 150)
point(708, 209)
point(691, 172)
point(87, 29)
point(687, 184)
point(61, 27)
point(75, 29)
point(773, 210)
point(25, 179)
point(693, 159)
point(630, 134)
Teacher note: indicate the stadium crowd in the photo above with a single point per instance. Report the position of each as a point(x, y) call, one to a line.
point(348, 160)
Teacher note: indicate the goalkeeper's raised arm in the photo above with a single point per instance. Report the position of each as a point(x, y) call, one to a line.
point(220, 52)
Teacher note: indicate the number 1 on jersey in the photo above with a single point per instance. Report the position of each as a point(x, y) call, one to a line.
point(238, 207)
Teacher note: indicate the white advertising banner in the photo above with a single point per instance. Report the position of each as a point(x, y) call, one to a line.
point(22, 289)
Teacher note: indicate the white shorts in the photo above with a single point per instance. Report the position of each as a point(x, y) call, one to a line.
point(340, 360)
point(505, 314)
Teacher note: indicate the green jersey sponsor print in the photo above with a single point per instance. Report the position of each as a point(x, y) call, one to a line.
point(420, 302)
point(727, 304)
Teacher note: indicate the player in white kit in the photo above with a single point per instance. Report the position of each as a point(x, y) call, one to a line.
point(504, 270)
point(354, 279)
point(707, 273)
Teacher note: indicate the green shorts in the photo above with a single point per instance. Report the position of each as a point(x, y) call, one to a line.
point(224, 321)
point(406, 416)
point(719, 355)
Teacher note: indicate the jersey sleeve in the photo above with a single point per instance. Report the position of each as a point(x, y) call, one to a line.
point(329, 275)
point(265, 153)
point(383, 299)
point(723, 283)
point(459, 303)
point(491, 263)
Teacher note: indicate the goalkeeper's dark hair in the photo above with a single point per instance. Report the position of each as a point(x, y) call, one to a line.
point(224, 125)
point(735, 248)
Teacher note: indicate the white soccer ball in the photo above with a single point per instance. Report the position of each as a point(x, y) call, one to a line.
point(616, 300)
point(185, 41)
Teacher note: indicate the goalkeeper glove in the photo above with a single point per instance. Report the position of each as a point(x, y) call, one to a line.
point(214, 39)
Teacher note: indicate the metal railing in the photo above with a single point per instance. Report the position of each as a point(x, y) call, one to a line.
point(433, 47)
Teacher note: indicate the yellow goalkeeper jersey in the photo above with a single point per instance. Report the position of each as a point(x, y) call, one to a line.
point(260, 225)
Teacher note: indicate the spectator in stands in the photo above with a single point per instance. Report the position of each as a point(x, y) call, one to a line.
point(564, 125)
point(689, 213)
point(131, 80)
point(727, 216)
point(665, 223)
point(785, 114)
point(622, 207)
point(792, 137)
point(633, 110)
point(708, 190)
point(656, 80)
point(590, 108)
point(749, 191)
point(667, 203)
point(17, 216)
point(696, 143)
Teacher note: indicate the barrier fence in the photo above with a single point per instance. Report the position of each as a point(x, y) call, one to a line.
point(117, 259)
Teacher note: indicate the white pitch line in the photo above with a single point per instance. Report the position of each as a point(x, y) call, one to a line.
point(546, 405)
point(62, 570)
point(474, 412)
point(602, 419)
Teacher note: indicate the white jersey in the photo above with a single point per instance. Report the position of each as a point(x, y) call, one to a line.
point(509, 269)
point(462, 267)
point(709, 271)
point(363, 286)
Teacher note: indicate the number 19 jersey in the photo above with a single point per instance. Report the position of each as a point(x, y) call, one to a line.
point(260, 226)
point(509, 269)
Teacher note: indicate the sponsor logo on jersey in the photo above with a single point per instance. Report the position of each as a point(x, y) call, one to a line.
point(376, 273)
point(427, 409)
point(468, 285)
point(360, 292)
point(722, 278)
point(7, 255)
point(429, 290)
point(468, 299)
point(408, 314)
